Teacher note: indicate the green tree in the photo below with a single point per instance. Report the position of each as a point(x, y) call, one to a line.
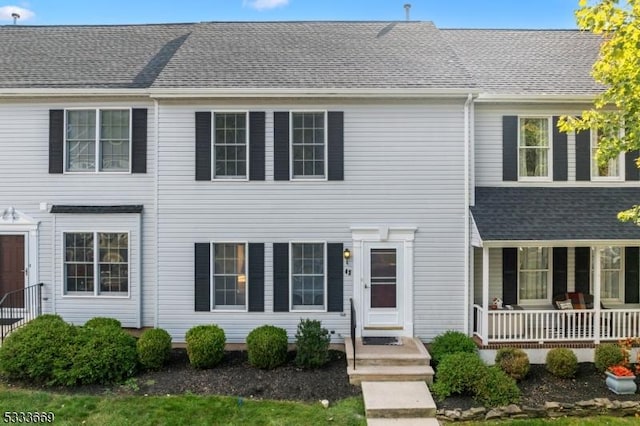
point(616, 110)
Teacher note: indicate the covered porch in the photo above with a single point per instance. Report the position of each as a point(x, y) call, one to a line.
point(563, 266)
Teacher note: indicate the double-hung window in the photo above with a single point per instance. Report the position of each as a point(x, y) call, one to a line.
point(96, 263)
point(229, 276)
point(98, 140)
point(309, 145)
point(308, 276)
point(230, 141)
point(534, 148)
point(611, 274)
point(534, 275)
point(612, 169)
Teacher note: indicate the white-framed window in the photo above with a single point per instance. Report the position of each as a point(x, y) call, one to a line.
point(229, 276)
point(88, 255)
point(534, 148)
point(611, 274)
point(308, 277)
point(534, 275)
point(612, 170)
point(98, 140)
point(308, 144)
point(230, 145)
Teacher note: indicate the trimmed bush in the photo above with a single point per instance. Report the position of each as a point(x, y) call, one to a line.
point(562, 362)
point(205, 345)
point(103, 322)
point(34, 352)
point(154, 348)
point(514, 362)
point(607, 354)
point(267, 346)
point(100, 355)
point(457, 373)
point(449, 343)
point(495, 388)
point(312, 344)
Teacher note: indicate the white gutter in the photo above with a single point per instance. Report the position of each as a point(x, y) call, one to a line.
point(156, 196)
point(525, 98)
point(467, 144)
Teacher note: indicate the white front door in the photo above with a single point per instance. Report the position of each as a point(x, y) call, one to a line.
point(383, 288)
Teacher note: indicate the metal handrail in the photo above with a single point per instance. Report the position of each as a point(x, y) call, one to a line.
point(353, 331)
point(18, 307)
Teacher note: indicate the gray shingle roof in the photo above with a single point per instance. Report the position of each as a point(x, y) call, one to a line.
point(539, 62)
point(129, 56)
point(315, 55)
point(554, 213)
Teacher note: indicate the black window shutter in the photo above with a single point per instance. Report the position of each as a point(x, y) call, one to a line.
point(559, 270)
point(335, 295)
point(509, 147)
point(203, 145)
point(56, 141)
point(632, 275)
point(280, 277)
point(510, 276)
point(631, 170)
point(202, 277)
point(256, 145)
point(256, 277)
point(139, 140)
point(583, 269)
point(583, 155)
point(335, 146)
point(281, 145)
point(560, 156)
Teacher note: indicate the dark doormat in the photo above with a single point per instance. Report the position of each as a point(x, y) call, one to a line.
point(9, 321)
point(381, 341)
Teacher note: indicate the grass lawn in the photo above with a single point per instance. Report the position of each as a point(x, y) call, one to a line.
point(177, 410)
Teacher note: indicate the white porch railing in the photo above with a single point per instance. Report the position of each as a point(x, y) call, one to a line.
point(556, 325)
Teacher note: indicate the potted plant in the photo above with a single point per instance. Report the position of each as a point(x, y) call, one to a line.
point(621, 380)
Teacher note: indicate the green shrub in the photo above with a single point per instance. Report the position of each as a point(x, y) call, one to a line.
point(205, 345)
point(457, 373)
point(495, 388)
point(312, 344)
point(449, 343)
point(33, 352)
point(103, 322)
point(100, 355)
point(154, 348)
point(514, 362)
point(267, 346)
point(562, 362)
point(607, 354)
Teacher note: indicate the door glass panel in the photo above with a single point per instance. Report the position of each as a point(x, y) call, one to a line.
point(383, 278)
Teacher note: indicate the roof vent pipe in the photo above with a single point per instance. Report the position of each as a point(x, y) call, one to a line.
point(15, 17)
point(407, 9)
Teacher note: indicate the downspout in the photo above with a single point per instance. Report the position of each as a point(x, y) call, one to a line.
point(156, 105)
point(467, 144)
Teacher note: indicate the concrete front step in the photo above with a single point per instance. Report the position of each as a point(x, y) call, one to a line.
point(390, 373)
point(409, 400)
point(411, 352)
point(403, 422)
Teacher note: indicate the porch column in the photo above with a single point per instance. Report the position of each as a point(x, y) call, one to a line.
point(485, 295)
point(596, 293)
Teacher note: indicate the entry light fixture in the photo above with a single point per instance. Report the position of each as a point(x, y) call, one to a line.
point(347, 255)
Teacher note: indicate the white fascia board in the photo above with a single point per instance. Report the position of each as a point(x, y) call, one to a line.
point(173, 93)
point(523, 98)
point(87, 92)
point(560, 243)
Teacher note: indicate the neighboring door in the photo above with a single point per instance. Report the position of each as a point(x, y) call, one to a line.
point(383, 288)
point(12, 269)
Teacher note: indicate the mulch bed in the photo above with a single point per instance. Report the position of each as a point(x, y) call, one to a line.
point(540, 386)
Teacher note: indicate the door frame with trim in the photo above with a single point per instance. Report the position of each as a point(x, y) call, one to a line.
point(14, 222)
point(401, 238)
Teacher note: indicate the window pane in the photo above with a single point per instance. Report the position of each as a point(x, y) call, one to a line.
point(534, 147)
point(230, 145)
point(308, 144)
point(609, 169)
point(533, 273)
point(534, 132)
point(114, 140)
point(611, 273)
point(307, 277)
point(78, 268)
point(229, 276)
point(81, 155)
point(114, 262)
